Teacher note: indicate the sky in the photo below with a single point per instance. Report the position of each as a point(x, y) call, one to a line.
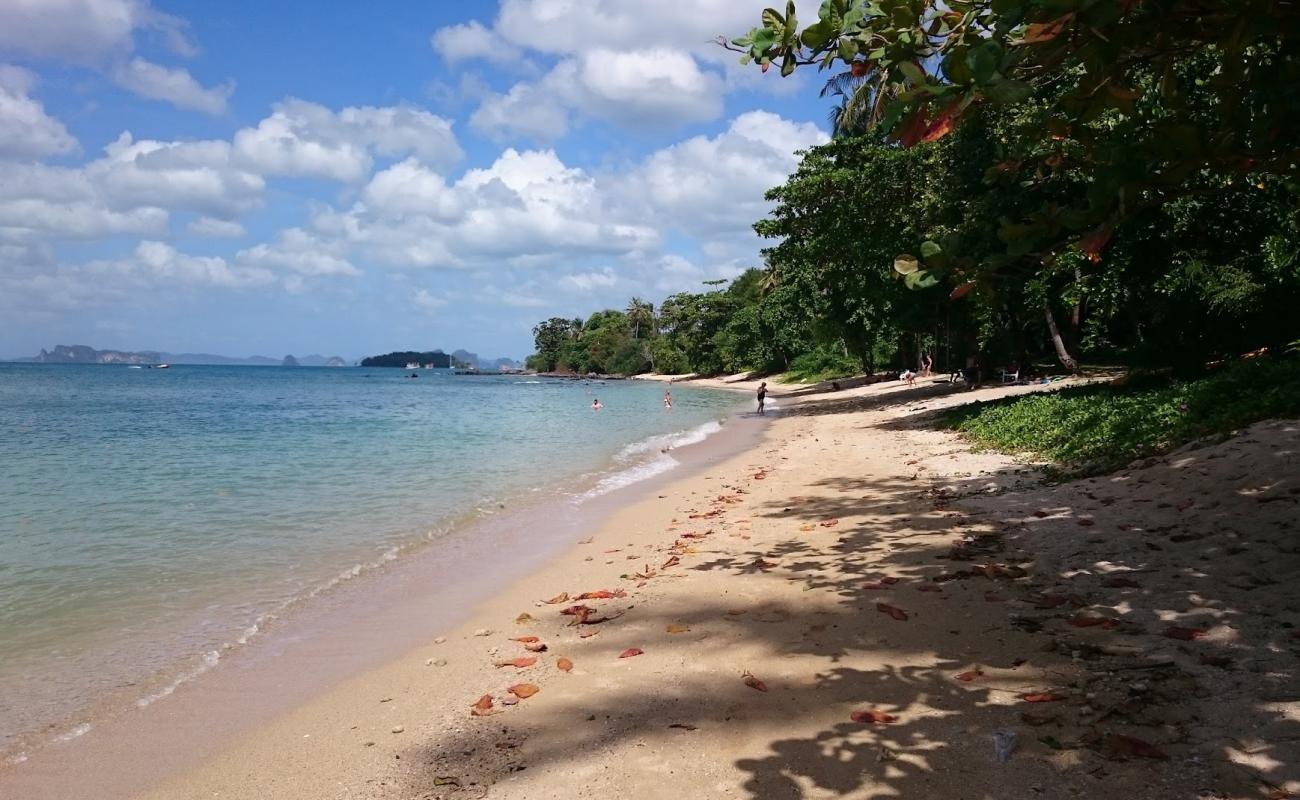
point(354, 178)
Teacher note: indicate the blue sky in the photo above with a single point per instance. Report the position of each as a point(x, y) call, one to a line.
point(249, 177)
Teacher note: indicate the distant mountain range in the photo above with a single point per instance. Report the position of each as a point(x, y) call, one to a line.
point(81, 354)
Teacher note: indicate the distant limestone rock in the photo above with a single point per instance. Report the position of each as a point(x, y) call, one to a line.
point(81, 354)
point(289, 361)
point(335, 361)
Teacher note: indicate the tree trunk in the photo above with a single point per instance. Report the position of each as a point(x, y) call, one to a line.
point(1066, 359)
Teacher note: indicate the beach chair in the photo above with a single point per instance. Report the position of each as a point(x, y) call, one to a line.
point(1011, 374)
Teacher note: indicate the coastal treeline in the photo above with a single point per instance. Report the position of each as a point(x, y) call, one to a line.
point(1010, 181)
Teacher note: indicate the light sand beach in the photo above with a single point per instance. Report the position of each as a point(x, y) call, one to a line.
point(858, 607)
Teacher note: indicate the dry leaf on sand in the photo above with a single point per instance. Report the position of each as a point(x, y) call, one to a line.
point(893, 611)
point(483, 707)
point(559, 598)
point(519, 663)
point(872, 716)
point(564, 665)
point(675, 628)
point(524, 690)
point(754, 683)
point(631, 651)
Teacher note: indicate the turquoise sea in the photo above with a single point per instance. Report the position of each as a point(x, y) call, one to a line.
point(152, 520)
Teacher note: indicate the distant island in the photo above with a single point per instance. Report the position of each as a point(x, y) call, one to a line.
point(81, 354)
point(437, 359)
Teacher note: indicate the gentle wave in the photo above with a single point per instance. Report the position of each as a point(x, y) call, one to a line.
point(662, 462)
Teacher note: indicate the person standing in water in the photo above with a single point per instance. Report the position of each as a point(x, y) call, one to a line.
point(668, 401)
point(595, 404)
point(762, 396)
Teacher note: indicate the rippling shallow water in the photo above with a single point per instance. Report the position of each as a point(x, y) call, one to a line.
point(152, 520)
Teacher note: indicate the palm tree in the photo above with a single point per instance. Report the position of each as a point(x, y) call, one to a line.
point(863, 94)
point(640, 312)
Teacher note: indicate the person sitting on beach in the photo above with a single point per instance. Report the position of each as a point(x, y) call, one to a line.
point(762, 396)
point(595, 404)
point(668, 401)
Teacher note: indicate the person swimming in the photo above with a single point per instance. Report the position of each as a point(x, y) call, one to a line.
point(668, 401)
point(595, 404)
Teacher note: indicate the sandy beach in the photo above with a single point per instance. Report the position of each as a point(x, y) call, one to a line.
point(862, 607)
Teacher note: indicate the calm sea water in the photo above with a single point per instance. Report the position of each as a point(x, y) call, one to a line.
point(150, 520)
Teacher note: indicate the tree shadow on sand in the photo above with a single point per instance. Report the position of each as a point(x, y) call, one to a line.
point(1155, 610)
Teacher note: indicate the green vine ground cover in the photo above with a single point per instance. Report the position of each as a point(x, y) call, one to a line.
point(1095, 429)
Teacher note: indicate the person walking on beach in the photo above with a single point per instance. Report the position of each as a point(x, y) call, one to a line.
point(595, 404)
point(762, 397)
point(668, 401)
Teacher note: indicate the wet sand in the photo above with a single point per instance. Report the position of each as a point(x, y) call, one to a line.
point(858, 606)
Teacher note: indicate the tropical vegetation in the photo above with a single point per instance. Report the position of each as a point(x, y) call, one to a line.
point(1025, 181)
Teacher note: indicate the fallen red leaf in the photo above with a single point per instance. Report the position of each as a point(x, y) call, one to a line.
point(564, 665)
point(559, 598)
point(830, 523)
point(526, 639)
point(873, 716)
point(524, 690)
point(1123, 747)
point(893, 611)
point(754, 683)
point(630, 652)
point(1041, 697)
point(601, 594)
point(970, 675)
point(1184, 634)
point(535, 647)
point(519, 663)
point(482, 707)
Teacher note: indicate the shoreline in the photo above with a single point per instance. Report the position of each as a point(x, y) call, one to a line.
point(203, 710)
point(854, 561)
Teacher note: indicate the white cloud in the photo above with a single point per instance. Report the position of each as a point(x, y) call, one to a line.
point(101, 34)
point(169, 266)
point(714, 186)
point(409, 187)
point(589, 281)
point(309, 140)
point(427, 301)
point(216, 228)
point(526, 110)
point(26, 131)
point(659, 87)
point(173, 85)
point(79, 31)
point(302, 252)
point(472, 41)
point(194, 176)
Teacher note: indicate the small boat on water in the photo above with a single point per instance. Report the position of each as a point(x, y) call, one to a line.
point(135, 366)
point(161, 366)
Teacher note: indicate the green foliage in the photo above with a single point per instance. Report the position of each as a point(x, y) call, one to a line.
point(1144, 101)
point(821, 364)
point(1098, 428)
